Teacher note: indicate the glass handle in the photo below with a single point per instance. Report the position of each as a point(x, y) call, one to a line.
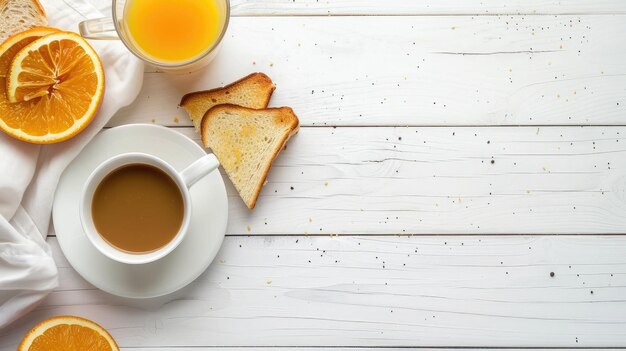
point(99, 28)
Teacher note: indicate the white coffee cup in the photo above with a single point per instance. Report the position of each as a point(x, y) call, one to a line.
point(184, 180)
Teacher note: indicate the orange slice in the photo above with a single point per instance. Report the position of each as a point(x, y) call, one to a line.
point(64, 333)
point(57, 85)
point(8, 50)
point(17, 42)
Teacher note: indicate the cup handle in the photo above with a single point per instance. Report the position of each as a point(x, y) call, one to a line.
point(201, 167)
point(98, 28)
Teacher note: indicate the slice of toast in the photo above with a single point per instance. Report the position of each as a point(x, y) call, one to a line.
point(253, 91)
point(19, 15)
point(246, 141)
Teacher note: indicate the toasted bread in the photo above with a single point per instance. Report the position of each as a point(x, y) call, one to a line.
point(19, 15)
point(253, 91)
point(246, 141)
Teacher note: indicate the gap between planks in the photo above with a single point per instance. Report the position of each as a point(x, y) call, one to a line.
point(183, 127)
point(398, 235)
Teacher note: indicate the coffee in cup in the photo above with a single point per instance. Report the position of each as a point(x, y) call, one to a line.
point(136, 208)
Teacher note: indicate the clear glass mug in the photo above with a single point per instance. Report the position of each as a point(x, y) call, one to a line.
point(115, 28)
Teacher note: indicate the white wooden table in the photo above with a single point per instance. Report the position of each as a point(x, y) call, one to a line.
point(459, 180)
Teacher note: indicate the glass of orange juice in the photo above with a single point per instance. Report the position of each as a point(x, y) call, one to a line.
point(172, 35)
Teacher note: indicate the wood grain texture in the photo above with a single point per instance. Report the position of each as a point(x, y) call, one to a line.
point(460, 180)
point(422, 7)
point(373, 291)
point(416, 71)
point(417, 63)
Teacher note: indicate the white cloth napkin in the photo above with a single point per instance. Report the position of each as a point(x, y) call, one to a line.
point(29, 173)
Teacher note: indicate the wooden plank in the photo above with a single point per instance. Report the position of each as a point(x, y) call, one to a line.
point(416, 71)
point(413, 7)
point(444, 291)
point(543, 180)
point(422, 7)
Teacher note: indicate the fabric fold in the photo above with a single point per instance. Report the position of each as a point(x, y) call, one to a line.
point(30, 173)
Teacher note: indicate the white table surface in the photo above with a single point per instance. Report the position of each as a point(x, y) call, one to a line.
point(453, 154)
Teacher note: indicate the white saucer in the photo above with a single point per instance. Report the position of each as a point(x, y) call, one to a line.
point(184, 264)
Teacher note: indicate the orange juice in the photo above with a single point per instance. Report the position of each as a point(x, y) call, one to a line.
point(172, 31)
